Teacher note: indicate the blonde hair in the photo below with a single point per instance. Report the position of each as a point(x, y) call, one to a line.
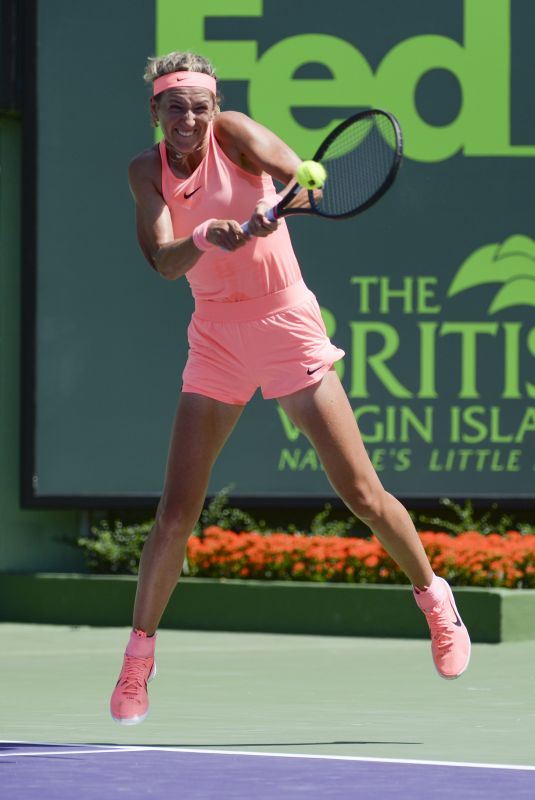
point(179, 62)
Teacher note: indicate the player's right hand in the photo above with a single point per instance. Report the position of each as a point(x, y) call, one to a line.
point(259, 224)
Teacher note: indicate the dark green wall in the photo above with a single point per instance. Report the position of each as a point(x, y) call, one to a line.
point(430, 293)
point(29, 540)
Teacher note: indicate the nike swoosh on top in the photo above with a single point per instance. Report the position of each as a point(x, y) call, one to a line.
point(188, 194)
point(311, 371)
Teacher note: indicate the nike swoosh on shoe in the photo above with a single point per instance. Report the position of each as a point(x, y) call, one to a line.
point(457, 620)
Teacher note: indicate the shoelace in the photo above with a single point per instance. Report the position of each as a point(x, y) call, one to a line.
point(133, 675)
point(442, 633)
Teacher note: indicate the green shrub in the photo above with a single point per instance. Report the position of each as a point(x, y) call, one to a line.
point(321, 525)
point(465, 518)
point(116, 548)
point(219, 512)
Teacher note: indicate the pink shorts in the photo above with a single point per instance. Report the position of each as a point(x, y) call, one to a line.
point(277, 342)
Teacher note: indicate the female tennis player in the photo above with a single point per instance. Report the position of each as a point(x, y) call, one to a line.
point(255, 324)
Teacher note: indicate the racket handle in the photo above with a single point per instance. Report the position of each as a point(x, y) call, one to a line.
point(271, 214)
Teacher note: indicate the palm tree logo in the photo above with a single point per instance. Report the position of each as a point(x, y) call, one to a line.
point(510, 264)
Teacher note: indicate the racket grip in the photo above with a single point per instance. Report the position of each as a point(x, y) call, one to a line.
point(271, 214)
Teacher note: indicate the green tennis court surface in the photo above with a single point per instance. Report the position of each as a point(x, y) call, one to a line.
point(341, 696)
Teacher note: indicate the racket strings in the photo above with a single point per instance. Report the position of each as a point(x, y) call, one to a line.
point(358, 162)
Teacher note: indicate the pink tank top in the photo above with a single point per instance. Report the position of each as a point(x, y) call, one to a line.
point(219, 188)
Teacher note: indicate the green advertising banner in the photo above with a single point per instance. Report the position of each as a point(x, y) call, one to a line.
point(431, 293)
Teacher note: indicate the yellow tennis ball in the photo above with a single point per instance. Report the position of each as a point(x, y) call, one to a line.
point(311, 175)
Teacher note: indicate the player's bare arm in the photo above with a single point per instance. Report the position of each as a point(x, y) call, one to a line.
point(170, 257)
point(256, 149)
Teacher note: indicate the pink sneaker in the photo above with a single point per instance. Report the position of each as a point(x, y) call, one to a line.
point(450, 642)
point(129, 703)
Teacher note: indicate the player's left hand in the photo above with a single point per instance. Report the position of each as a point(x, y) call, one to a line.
point(259, 224)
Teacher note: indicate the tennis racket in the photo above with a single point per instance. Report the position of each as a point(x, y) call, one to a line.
point(361, 156)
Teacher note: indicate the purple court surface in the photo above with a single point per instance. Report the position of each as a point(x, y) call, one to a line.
point(98, 772)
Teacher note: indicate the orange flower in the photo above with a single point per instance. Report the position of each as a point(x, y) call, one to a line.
point(467, 559)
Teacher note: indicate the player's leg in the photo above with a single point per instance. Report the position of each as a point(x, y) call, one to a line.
point(202, 426)
point(323, 413)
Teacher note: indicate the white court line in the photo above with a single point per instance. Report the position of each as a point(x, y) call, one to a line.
point(324, 757)
point(73, 752)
